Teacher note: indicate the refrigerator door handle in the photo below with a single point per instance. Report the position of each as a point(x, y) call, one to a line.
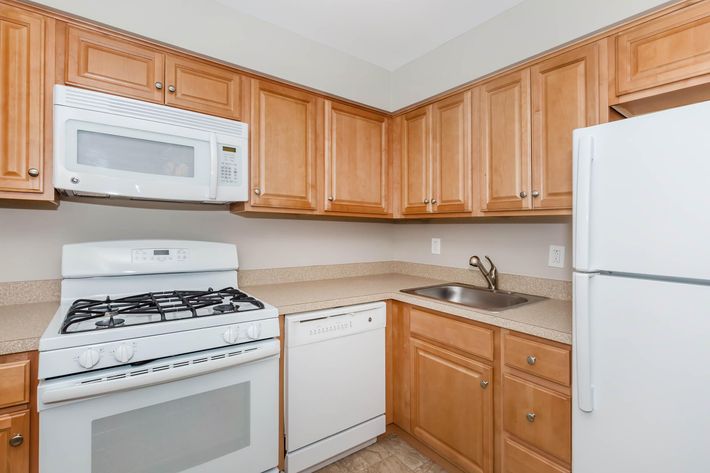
point(582, 210)
point(581, 341)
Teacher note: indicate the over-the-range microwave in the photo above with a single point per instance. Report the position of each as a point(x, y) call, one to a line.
point(110, 146)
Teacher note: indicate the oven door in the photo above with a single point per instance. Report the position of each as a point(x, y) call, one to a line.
point(207, 412)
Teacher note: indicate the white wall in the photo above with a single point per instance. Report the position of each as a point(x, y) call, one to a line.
point(31, 240)
point(527, 29)
point(210, 28)
point(516, 248)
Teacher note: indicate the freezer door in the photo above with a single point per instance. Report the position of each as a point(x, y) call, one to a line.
point(641, 384)
point(642, 195)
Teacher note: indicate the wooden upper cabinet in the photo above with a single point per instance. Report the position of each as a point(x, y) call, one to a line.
point(356, 160)
point(452, 406)
point(415, 152)
point(504, 140)
point(196, 85)
point(114, 65)
point(283, 147)
point(15, 442)
point(451, 157)
point(669, 48)
point(565, 96)
point(22, 94)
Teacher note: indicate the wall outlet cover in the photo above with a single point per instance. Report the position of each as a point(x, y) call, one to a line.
point(556, 257)
point(436, 246)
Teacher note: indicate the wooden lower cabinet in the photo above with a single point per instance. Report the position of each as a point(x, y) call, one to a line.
point(519, 459)
point(14, 442)
point(18, 413)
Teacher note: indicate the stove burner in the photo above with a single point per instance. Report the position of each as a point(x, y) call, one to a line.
point(222, 308)
point(111, 322)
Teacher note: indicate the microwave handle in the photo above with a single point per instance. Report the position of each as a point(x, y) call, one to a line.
point(214, 166)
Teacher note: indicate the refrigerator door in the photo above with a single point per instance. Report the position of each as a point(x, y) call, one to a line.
point(641, 375)
point(642, 195)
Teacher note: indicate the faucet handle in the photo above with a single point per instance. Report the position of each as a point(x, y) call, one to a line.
point(493, 268)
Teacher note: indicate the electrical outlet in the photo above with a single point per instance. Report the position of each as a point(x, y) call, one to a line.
point(556, 258)
point(436, 246)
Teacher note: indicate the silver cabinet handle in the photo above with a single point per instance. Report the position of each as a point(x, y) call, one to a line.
point(535, 194)
point(331, 198)
point(158, 85)
point(426, 201)
point(16, 440)
point(484, 384)
point(34, 172)
point(532, 359)
point(171, 89)
point(433, 201)
point(530, 416)
point(257, 191)
point(523, 194)
point(74, 180)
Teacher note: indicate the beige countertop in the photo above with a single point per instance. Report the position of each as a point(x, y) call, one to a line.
point(21, 325)
point(551, 319)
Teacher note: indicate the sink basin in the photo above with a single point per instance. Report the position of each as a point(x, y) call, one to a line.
point(475, 297)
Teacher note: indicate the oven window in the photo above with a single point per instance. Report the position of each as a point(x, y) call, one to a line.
point(124, 153)
point(173, 436)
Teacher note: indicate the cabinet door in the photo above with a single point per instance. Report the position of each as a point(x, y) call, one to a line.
point(416, 161)
point(565, 96)
point(15, 442)
point(452, 406)
point(355, 160)
point(21, 99)
point(114, 65)
point(505, 142)
point(451, 156)
point(670, 48)
point(283, 147)
point(201, 87)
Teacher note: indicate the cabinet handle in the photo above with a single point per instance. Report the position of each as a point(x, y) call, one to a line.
point(16, 440)
point(484, 384)
point(331, 198)
point(433, 201)
point(158, 85)
point(33, 172)
point(523, 194)
point(257, 191)
point(535, 194)
point(426, 201)
point(171, 89)
point(532, 359)
point(530, 416)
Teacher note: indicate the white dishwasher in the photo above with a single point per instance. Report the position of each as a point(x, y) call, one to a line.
point(335, 383)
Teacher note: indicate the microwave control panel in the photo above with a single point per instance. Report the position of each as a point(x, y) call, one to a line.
point(230, 165)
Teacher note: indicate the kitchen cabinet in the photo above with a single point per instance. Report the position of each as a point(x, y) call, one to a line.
point(565, 96)
point(18, 413)
point(116, 65)
point(356, 160)
point(284, 147)
point(416, 161)
point(14, 442)
point(24, 96)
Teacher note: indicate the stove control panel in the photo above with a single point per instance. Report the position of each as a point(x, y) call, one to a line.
point(159, 255)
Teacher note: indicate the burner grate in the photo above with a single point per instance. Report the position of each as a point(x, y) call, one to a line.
point(113, 313)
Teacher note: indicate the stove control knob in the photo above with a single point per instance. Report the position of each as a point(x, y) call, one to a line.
point(123, 352)
point(231, 335)
point(254, 331)
point(89, 357)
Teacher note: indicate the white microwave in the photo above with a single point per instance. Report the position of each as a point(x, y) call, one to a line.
point(109, 146)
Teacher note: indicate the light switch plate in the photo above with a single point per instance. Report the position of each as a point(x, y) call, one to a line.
point(436, 246)
point(556, 257)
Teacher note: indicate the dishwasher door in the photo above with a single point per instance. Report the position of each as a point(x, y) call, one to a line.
point(335, 372)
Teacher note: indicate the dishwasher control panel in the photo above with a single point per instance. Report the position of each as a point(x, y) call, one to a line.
point(311, 327)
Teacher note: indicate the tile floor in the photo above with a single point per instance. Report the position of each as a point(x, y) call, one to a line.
point(390, 454)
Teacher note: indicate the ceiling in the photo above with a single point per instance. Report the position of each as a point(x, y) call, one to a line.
point(387, 33)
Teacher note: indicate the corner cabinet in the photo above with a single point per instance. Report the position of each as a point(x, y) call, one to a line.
point(356, 160)
point(25, 103)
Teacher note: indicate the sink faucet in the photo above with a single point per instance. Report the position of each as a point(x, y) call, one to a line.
point(491, 274)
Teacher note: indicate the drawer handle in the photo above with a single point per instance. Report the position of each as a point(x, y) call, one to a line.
point(532, 359)
point(16, 440)
point(530, 416)
point(484, 384)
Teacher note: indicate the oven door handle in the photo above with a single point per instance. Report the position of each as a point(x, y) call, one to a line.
point(72, 392)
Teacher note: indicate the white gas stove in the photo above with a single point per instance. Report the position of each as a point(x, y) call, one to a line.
point(146, 327)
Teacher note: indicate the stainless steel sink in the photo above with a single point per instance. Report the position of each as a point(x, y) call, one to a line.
point(475, 297)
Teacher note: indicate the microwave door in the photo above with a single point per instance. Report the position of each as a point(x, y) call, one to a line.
point(107, 154)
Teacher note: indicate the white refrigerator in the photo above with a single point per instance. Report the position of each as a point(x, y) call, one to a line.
point(641, 369)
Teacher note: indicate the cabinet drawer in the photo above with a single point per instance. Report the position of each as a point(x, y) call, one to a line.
point(668, 49)
point(462, 336)
point(538, 416)
point(518, 459)
point(15, 442)
point(540, 359)
point(14, 383)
